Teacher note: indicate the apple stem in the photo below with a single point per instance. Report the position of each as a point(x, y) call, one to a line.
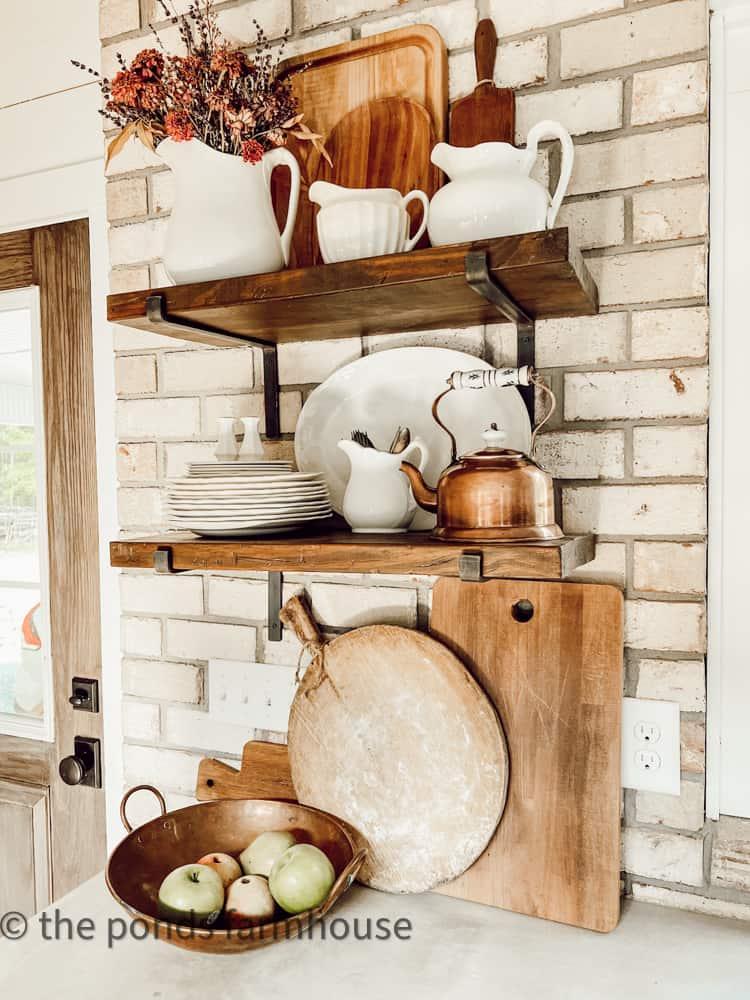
point(194, 877)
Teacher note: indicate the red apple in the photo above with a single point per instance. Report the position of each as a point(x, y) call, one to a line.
point(224, 865)
point(249, 902)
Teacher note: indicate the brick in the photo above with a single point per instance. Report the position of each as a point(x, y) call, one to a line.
point(650, 393)
point(133, 155)
point(582, 454)
point(118, 16)
point(681, 812)
point(656, 33)
point(650, 275)
point(176, 456)
point(190, 640)
point(343, 606)
point(140, 636)
point(302, 362)
point(177, 771)
point(669, 626)
point(670, 567)
point(140, 721)
point(182, 595)
point(320, 40)
point(251, 405)
point(285, 653)
point(141, 241)
point(635, 510)
point(599, 222)
point(513, 18)
point(135, 374)
point(592, 107)
point(607, 566)
point(128, 279)
point(670, 451)
point(186, 727)
point(317, 12)
point(455, 21)
point(730, 855)
point(669, 333)
point(237, 598)
point(521, 63)
point(671, 92)
point(136, 462)
point(581, 340)
point(662, 896)
point(126, 198)
point(683, 681)
point(236, 23)
point(216, 368)
point(161, 191)
point(669, 857)
point(139, 507)
point(649, 158)
point(693, 746)
point(670, 214)
point(167, 681)
point(470, 340)
point(169, 418)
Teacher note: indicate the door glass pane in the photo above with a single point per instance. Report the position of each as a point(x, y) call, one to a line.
point(23, 653)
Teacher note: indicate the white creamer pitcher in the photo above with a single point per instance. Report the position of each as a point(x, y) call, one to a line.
point(490, 191)
point(378, 496)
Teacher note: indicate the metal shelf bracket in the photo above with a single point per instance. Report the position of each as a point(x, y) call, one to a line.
point(275, 588)
point(470, 567)
point(156, 314)
point(163, 563)
point(480, 279)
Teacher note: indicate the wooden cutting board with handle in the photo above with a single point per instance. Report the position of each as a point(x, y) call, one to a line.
point(489, 113)
point(556, 681)
point(389, 732)
point(409, 63)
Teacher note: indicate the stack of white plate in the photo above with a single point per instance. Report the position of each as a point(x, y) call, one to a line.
point(237, 468)
point(257, 501)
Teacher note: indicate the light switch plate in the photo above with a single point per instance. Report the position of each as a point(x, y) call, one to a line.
point(651, 745)
point(256, 695)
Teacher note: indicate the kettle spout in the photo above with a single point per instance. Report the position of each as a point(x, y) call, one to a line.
point(423, 494)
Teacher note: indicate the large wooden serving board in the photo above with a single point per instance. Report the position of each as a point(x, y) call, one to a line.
point(556, 681)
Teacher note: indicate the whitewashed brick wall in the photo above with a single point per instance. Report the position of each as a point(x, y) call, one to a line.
point(629, 80)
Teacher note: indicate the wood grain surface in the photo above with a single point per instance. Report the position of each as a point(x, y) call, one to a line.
point(421, 290)
point(339, 551)
point(556, 682)
point(263, 774)
point(489, 113)
point(24, 853)
point(389, 732)
point(16, 261)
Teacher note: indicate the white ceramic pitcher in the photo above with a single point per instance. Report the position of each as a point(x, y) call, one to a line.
point(223, 224)
point(490, 191)
point(378, 496)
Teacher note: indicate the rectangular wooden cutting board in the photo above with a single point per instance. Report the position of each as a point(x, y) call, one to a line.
point(556, 681)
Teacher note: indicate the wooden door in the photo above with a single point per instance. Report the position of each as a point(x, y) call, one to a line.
point(55, 831)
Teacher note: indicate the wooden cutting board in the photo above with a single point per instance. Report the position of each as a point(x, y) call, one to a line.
point(556, 681)
point(263, 774)
point(410, 63)
point(389, 732)
point(489, 113)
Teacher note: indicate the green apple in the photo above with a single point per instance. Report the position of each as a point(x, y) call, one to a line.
point(249, 902)
point(263, 853)
point(225, 866)
point(192, 894)
point(301, 878)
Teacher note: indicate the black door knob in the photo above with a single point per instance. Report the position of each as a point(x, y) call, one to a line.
point(72, 770)
point(83, 766)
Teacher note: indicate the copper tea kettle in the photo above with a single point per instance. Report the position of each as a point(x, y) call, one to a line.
point(496, 494)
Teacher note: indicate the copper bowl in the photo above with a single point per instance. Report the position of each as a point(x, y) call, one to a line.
point(138, 865)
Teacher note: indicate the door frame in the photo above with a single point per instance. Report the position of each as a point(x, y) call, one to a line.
point(49, 197)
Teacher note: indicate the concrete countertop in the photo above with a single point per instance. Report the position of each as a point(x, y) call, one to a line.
point(455, 950)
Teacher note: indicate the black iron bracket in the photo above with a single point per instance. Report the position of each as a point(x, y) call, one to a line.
point(185, 329)
point(163, 563)
point(275, 587)
point(481, 280)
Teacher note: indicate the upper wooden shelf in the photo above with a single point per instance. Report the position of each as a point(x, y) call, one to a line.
point(422, 290)
point(339, 551)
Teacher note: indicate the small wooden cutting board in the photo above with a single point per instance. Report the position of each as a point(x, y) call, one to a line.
point(489, 114)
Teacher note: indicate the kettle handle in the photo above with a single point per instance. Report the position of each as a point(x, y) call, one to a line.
point(553, 130)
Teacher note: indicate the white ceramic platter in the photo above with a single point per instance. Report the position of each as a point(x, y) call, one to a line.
point(244, 522)
point(381, 391)
point(286, 478)
point(243, 532)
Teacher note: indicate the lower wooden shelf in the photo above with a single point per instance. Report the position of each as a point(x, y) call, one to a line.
point(341, 551)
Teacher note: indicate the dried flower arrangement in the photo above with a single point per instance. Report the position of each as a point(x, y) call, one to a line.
point(215, 93)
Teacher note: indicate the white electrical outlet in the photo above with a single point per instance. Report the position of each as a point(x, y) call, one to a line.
point(651, 745)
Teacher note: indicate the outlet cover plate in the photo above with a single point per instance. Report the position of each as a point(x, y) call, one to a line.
point(641, 716)
point(256, 695)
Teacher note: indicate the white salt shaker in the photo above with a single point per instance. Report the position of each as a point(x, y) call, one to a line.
point(252, 446)
point(226, 449)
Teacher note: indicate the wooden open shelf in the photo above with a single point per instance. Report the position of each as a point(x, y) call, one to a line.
point(340, 551)
point(425, 289)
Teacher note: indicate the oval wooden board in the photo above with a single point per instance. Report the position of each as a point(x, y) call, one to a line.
point(389, 732)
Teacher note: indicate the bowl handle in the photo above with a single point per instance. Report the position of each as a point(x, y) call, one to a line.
point(140, 788)
point(344, 881)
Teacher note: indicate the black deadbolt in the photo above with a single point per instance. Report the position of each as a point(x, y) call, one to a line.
point(85, 696)
point(522, 611)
